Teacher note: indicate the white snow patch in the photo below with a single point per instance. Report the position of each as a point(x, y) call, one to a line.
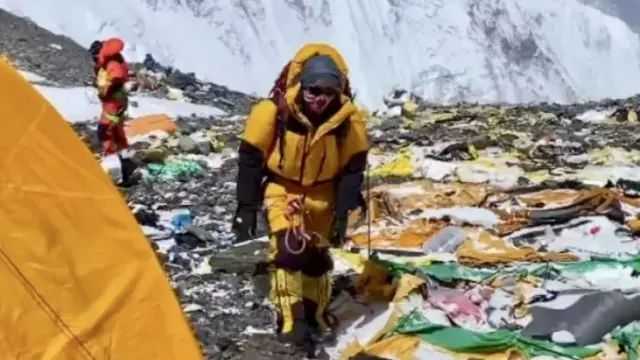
point(81, 104)
point(31, 77)
point(203, 268)
point(165, 245)
point(192, 308)
point(437, 170)
point(250, 330)
point(595, 116)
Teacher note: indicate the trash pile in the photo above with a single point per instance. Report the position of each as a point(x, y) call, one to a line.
point(496, 232)
point(490, 228)
point(173, 84)
point(509, 145)
point(466, 270)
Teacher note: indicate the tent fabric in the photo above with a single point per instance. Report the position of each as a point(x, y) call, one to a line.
point(146, 124)
point(461, 340)
point(628, 338)
point(78, 278)
point(449, 272)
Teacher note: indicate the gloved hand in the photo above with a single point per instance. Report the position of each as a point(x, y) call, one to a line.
point(244, 224)
point(339, 231)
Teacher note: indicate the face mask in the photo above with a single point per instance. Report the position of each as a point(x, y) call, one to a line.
point(317, 99)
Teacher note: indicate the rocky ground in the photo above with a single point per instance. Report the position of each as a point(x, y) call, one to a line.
point(54, 57)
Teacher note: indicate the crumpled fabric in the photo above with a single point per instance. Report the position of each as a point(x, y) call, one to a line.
point(451, 272)
point(590, 202)
point(462, 340)
point(464, 309)
point(398, 200)
point(484, 249)
point(411, 236)
point(588, 319)
point(628, 337)
point(375, 283)
point(551, 198)
point(559, 207)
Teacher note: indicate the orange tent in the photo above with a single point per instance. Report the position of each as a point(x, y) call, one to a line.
point(78, 278)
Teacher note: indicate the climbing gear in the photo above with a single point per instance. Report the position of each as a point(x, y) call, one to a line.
point(297, 215)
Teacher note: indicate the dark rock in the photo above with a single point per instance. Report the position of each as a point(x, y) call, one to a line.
point(146, 217)
point(29, 46)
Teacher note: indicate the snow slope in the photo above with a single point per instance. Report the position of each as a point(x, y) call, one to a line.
point(81, 104)
point(445, 50)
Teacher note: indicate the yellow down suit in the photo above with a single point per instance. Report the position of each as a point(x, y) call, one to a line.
point(320, 165)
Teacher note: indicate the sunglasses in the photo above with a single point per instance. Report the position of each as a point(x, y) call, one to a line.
point(318, 90)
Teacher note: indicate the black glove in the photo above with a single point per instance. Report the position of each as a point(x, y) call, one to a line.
point(248, 191)
point(244, 224)
point(339, 231)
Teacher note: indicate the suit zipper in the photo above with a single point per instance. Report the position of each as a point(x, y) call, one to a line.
point(304, 159)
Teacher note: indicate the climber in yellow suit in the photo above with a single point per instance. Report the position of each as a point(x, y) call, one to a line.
point(302, 158)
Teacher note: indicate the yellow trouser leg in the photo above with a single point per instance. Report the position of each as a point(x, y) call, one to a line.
point(286, 292)
point(318, 291)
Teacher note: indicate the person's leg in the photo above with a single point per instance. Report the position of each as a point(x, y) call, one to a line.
point(287, 291)
point(316, 277)
point(105, 138)
point(120, 136)
point(121, 143)
point(316, 291)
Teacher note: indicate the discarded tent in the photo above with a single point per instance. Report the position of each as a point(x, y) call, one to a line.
point(79, 279)
point(150, 123)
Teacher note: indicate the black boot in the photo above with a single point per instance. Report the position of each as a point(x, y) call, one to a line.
point(319, 335)
point(301, 337)
point(128, 169)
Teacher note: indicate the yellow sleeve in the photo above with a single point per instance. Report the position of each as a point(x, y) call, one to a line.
point(356, 140)
point(260, 129)
point(103, 82)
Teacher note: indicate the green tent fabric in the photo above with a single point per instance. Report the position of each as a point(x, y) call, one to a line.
point(628, 338)
point(461, 340)
point(449, 272)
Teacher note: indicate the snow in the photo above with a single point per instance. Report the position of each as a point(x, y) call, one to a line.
point(81, 104)
point(522, 50)
point(31, 77)
point(594, 116)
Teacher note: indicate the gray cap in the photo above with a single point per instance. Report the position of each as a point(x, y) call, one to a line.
point(321, 70)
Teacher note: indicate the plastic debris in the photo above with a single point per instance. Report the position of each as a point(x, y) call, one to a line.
point(447, 240)
point(181, 220)
point(173, 170)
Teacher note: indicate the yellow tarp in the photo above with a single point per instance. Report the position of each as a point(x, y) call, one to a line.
point(78, 280)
